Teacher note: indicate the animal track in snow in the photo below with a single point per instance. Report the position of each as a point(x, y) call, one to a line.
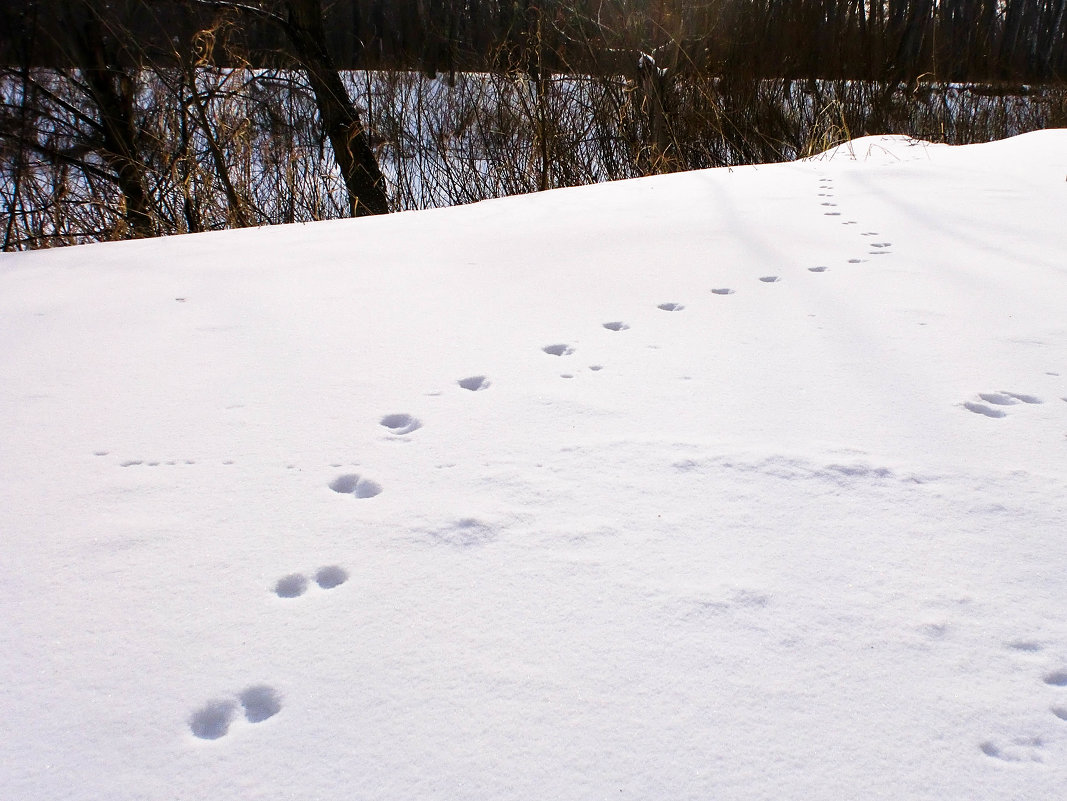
point(466, 533)
point(829, 204)
point(354, 484)
point(331, 576)
point(1060, 712)
point(1001, 398)
point(475, 383)
point(819, 269)
point(291, 586)
point(1023, 398)
point(671, 306)
point(213, 720)
point(295, 584)
point(770, 279)
point(1020, 749)
point(722, 291)
point(855, 261)
point(618, 325)
point(558, 350)
point(260, 702)
point(1057, 678)
point(832, 214)
point(401, 423)
point(1026, 646)
point(981, 408)
point(155, 463)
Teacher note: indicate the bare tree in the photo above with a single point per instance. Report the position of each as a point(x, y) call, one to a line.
point(82, 118)
point(302, 23)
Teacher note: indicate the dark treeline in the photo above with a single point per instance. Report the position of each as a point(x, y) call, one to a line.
point(953, 40)
point(133, 118)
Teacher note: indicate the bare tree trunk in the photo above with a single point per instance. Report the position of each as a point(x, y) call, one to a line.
point(340, 118)
point(111, 88)
point(303, 26)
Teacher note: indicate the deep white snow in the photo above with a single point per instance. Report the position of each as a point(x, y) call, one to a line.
point(738, 484)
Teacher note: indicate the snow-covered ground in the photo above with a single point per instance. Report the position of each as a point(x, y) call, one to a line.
point(738, 484)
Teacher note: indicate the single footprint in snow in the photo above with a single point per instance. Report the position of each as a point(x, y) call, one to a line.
point(260, 702)
point(558, 350)
point(1026, 646)
point(671, 306)
point(401, 423)
point(291, 586)
point(722, 291)
point(1023, 398)
point(356, 485)
point(466, 533)
point(475, 383)
point(618, 325)
point(770, 279)
point(1057, 678)
point(819, 269)
point(981, 408)
point(999, 398)
point(331, 576)
point(212, 720)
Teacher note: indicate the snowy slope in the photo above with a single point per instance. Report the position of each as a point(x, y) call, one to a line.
point(737, 484)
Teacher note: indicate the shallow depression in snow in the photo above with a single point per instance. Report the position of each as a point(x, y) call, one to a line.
point(260, 702)
point(292, 586)
point(401, 423)
point(212, 721)
point(356, 485)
